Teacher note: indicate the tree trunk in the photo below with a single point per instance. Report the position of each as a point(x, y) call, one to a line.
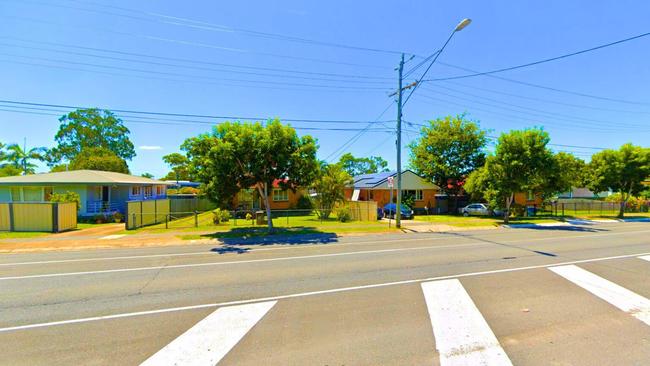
point(624, 198)
point(267, 206)
point(506, 215)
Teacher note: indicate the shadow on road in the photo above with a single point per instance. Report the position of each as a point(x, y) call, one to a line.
point(237, 240)
point(574, 228)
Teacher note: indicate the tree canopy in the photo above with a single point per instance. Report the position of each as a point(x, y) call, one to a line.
point(521, 163)
point(238, 156)
point(179, 165)
point(22, 159)
point(99, 158)
point(621, 171)
point(330, 188)
point(91, 128)
point(447, 151)
point(356, 166)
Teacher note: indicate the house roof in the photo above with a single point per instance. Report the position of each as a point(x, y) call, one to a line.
point(79, 177)
point(372, 180)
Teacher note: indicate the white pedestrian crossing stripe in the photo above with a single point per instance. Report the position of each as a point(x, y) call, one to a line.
point(622, 298)
point(462, 335)
point(209, 340)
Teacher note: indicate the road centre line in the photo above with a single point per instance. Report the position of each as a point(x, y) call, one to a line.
point(210, 264)
point(618, 296)
point(311, 293)
point(252, 250)
point(209, 340)
point(462, 335)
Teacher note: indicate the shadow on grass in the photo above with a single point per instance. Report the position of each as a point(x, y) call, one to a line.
point(237, 237)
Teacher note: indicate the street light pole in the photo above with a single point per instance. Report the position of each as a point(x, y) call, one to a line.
point(398, 207)
point(398, 213)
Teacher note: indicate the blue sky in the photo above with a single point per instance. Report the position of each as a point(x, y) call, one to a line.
point(38, 64)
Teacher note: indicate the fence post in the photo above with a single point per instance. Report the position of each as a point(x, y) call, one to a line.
point(55, 217)
point(155, 211)
point(167, 221)
point(196, 218)
point(287, 218)
point(135, 225)
point(141, 215)
point(562, 209)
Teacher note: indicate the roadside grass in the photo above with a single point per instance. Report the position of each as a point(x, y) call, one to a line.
point(22, 234)
point(286, 225)
point(475, 221)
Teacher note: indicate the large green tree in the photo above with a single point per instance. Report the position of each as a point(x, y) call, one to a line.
point(621, 171)
point(330, 188)
point(356, 166)
point(99, 158)
point(237, 156)
point(521, 163)
point(23, 159)
point(179, 164)
point(86, 128)
point(447, 151)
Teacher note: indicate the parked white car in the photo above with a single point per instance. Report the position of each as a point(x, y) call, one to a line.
point(479, 209)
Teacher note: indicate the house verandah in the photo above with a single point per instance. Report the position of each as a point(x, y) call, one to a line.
point(99, 192)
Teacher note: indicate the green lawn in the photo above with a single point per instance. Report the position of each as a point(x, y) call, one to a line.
point(285, 225)
point(475, 221)
point(22, 234)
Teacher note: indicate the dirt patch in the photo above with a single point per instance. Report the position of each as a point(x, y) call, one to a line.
point(100, 230)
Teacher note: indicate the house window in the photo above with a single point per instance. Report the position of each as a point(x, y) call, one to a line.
point(280, 195)
point(148, 192)
point(371, 195)
point(415, 193)
point(531, 196)
point(47, 193)
point(159, 190)
point(135, 191)
point(16, 194)
point(32, 194)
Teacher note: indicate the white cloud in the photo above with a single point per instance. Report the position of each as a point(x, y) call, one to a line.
point(150, 147)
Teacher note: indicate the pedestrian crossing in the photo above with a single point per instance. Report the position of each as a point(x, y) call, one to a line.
point(459, 331)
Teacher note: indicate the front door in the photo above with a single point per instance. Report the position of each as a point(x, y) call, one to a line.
point(105, 194)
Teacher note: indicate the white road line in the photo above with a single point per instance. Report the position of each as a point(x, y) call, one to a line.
point(209, 340)
point(310, 293)
point(243, 247)
point(293, 247)
point(622, 298)
point(645, 257)
point(462, 335)
point(112, 237)
point(153, 268)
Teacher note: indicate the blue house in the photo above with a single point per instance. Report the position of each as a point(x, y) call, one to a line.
point(100, 192)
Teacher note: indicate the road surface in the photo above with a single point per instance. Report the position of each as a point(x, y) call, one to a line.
point(575, 295)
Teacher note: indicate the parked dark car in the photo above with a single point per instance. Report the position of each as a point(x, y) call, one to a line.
point(391, 208)
point(380, 213)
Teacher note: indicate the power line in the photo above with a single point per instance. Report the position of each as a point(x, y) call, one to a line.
point(69, 107)
point(364, 79)
point(544, 60)
point(538, 111)
point(544, 87)
point(207, 26)
point(199, 62)
point(191, 43)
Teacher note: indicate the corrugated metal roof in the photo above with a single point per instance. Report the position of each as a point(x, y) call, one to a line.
point(79, 177)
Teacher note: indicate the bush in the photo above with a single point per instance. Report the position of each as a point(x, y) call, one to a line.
point(304, 203)
point(67, 197)
point(343, 214)
point(189, 190)
point(249, 216)
point(220, 216)
point(117, 217)
point(100, 219)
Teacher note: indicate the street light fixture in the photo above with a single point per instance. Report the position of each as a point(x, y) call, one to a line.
point(413, 86)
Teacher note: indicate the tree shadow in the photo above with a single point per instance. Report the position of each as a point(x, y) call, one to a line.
point(570, 228)
point(238, 237)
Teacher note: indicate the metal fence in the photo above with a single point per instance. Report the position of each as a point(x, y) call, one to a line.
point(580, 208)
point(38, 216)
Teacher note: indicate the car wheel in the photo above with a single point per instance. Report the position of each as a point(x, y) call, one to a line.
point(465, 213)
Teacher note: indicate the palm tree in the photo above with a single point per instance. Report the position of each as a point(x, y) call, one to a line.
point(3, 155)
point(22, 159)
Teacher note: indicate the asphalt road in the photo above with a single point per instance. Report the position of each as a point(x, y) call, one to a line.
point(555, 296)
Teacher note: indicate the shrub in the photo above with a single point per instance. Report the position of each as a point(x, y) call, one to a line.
point(100, 219)
point(189, 190)
point(343, 214)
point(249, 216)
point(304, 203)
point(117, 217)
point(67, 197)
point(219, 216)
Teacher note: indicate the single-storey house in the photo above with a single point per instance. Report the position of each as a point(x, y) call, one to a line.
point(374, 187)
point(100, 192)
point(279, 199)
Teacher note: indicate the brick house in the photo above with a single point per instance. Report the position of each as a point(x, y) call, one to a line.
point(374, 187)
